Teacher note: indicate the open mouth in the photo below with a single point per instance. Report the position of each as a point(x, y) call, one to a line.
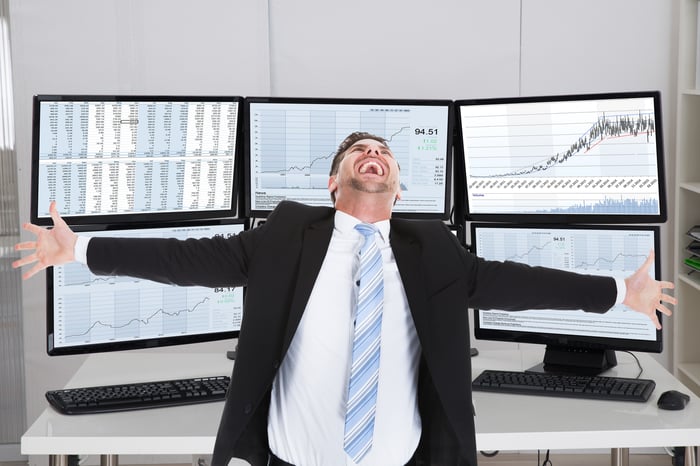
point(372, 167)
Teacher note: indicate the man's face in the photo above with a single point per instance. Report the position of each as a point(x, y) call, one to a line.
point(367, 166)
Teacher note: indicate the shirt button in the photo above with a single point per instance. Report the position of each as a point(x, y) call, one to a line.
point(357, 283)
point(247, 408)
point(276, 365)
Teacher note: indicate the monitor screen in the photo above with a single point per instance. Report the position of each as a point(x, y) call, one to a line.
point(115, 159)
point(91, 313)
point(615, 251)
point(594, 158)
point(290, 143)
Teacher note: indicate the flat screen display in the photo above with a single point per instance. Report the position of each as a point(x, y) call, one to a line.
point(291, 143)
point(564, 159)
point(616, 251)
point(92, 313)
point(109, 159)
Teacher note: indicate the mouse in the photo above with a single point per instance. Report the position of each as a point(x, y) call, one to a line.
point(673, 400)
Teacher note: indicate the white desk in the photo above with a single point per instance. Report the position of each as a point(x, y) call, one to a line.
point(517, 422)
point(503, 422)
point(175, 430)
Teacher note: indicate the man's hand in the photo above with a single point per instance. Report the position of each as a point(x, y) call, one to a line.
point(645, 295)
point(52, 246)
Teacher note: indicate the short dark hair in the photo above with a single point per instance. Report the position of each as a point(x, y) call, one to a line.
point(347, 143)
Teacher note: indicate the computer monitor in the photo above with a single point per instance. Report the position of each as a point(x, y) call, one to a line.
point(87, 313)
point(120, 159)
point(576, 341)
point(590, 158)
point(290, 143)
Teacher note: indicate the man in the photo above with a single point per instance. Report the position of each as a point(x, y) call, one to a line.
point(287, 399)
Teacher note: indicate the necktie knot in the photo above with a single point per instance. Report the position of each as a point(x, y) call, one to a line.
point(367, 229)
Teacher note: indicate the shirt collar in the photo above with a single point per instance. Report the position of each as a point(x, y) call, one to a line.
point(345, 224)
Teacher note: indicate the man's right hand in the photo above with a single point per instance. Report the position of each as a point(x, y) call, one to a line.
point(53, 246)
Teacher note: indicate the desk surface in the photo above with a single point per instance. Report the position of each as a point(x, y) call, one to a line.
point(503, 422)
point(519, 422)
point(174, 430)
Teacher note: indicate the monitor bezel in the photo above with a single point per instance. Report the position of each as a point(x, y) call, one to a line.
point(246, 189)
point(51, 350)
point(127, 218)
point(597, 218)
point(573, 341)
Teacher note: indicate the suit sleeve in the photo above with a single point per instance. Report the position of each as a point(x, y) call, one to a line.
point(446, 265)
point(204, 262)
point(514, 286)
point(209, 262)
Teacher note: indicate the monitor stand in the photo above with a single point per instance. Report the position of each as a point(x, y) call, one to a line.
point(575, 361)
point(231, 354)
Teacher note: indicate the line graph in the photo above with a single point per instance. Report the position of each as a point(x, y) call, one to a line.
point(297, 142)
point(323, 162)
point(532, 251)
point(137, 321)
point(609, 263)
point(598, 156)
point(625, 134)
point(129, 315)
point(606, 251)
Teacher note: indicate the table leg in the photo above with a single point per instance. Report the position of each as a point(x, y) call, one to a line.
point(619, 456)
point(109, 460)
point(690, 459)
point(58, 460)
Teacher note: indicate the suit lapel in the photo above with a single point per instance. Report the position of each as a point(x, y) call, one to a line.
point(313, 250)
point(407, 254)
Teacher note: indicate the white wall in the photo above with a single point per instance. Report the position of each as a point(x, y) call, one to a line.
point(365, 48)
point(440, 49)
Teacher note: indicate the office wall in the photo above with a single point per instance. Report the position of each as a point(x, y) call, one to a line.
point(468, 48)
point(368, 48)
point(441, 49)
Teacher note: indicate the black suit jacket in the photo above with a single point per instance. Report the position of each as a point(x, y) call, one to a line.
point(279, 262)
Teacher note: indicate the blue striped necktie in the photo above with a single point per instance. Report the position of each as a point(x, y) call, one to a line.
point(364, 372)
